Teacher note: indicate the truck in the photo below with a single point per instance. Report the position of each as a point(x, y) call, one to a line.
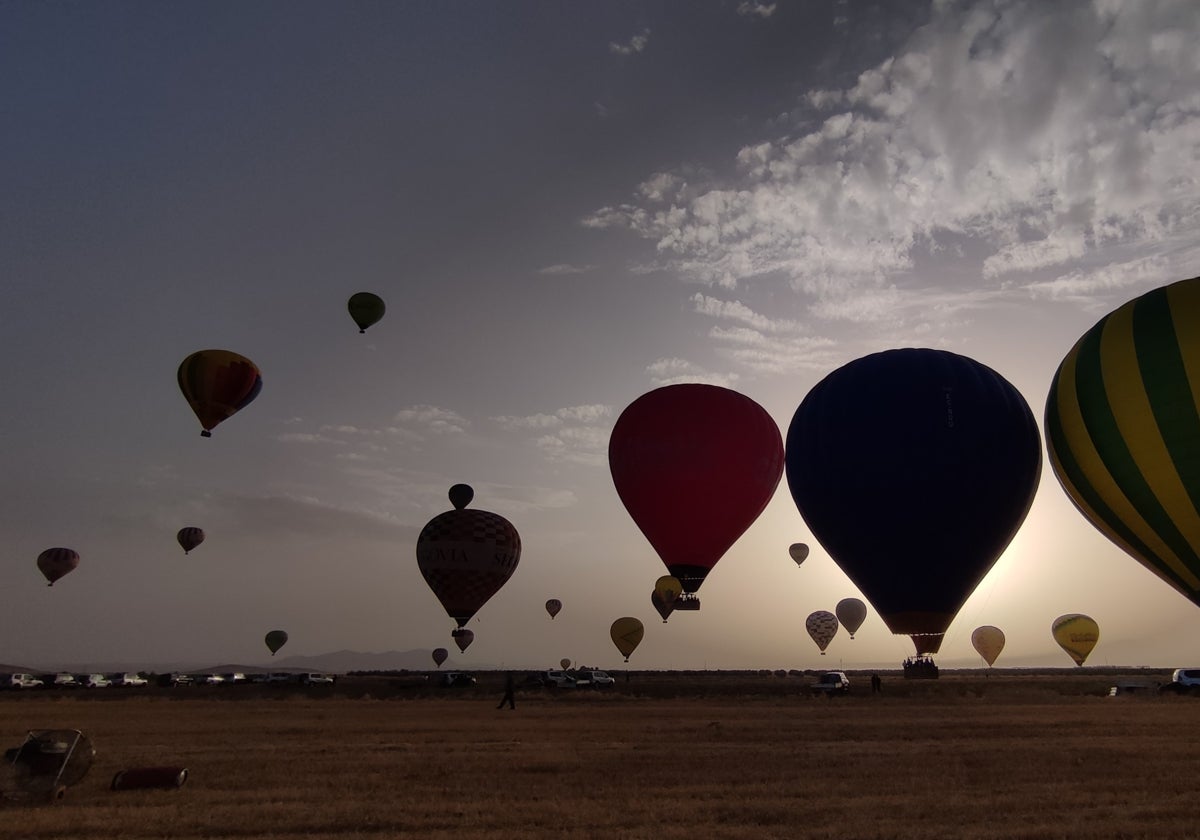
point(832, 683)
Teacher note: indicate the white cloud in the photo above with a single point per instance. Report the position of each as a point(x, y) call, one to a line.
point(736, 311)
point(305, 437)
point(577, 435)
point(676, 371)
point(1041, 134)
point(634, 45)
point(755, 9)
point(434, 420)
point(565, 268)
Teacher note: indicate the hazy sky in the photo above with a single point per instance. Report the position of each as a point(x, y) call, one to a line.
point(564, 205)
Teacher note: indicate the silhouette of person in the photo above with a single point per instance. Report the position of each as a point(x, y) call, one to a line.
point(876, 684)
point(508, 693)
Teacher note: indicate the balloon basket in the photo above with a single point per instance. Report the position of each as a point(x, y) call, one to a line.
point(687, 602)
point(150, 778)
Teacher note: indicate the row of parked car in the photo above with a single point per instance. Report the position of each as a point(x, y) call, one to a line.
point(67, 680)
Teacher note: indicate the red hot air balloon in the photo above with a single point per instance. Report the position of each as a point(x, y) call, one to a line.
point(189, 538)
point(217, 384)
point(465, 556)
point(914, 468)
point(56, 562)
point(439, 656)
point(694, 465)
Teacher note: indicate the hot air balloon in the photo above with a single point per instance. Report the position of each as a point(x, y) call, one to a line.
point(439, 656)
point(1076, 634)
point(627, 634)
point(669, 589)
point(914, 468)
point(466, 556)
point(461, 495)
point(1123, 432)
point(56, 562)
point(189, 538)
point(798, 552)
point(217, 384)
point(564, 663)
point(275, 640)
point(462, 637)
point(988, 641)
point(694, 465)
point(366, 309)
point(851, 612)
point(661, 607)
point(553, 606)
point(822, 626)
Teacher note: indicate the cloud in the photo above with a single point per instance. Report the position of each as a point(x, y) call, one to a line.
point(753, 8)
point(307, 437)
point(433, 420)
point(577, 433)
point(1040, 135)
point(565, 268)
point(634, 45)
point(676, 371)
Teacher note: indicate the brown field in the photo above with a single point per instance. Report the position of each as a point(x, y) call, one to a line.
point(661, 756)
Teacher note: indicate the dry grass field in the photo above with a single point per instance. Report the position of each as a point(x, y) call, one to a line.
point(658, 757)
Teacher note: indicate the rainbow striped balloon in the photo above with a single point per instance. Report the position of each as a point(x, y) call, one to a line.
point(1123, 430)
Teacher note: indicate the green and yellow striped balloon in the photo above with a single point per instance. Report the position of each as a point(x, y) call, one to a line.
point(1123, 430)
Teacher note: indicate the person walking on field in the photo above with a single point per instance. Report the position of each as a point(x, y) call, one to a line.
point(508, 693)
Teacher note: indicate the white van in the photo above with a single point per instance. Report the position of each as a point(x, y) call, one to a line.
point(23, 681)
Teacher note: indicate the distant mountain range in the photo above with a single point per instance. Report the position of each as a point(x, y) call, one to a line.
point(338, 662)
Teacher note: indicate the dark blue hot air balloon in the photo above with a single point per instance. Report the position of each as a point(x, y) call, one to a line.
point(914, 468)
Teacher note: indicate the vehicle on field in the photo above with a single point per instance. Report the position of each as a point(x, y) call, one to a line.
point(23, 681)
point(457, 679)
point(316, 679)
point(593, 679)
point(555, 679)
point(177, 680)
point(126, 679)
point(94, 681)
point(1183, 681)
point(235, 677)
point(65, 680)
point(832, 682)
point(212, 679)
point(280, 678)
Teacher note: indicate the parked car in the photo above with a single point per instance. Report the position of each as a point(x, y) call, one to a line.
point(316, 679)
point(1183, 681)
point(64, 680)
point(212, 679)
point(457, 679)
point(235, 677)
point(556, 679)
point(594, 679)
point(126, 679)
point(23, 681)
point(94, 681)
point(832, 682)
point(280, 677)
point(176, 680)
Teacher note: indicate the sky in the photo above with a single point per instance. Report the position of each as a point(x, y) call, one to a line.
point(564, 205)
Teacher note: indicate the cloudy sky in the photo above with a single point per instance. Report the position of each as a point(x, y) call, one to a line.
point(564, 206)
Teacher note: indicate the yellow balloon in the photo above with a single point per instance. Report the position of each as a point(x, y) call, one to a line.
point(988, 641)
point(668, 588)
point(1076, 634)
point(627, 634)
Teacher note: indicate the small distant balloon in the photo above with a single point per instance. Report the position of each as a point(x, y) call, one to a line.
point(798, 552)
point(56, 562)
point(851, 612)
point(217, 384)
point(366, 309)
point(627, 633)
point(553, 606)
point(439, 656)
point(565, 663)
point(822, 626)
point(461, 495)
point(275, 640)
point(988, 641)
point(189, 538)
point(462, 637)
point(1077, 634)
point(661, 607)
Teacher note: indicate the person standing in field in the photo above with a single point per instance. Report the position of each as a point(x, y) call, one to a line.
point(508, 693)
point(876, 684)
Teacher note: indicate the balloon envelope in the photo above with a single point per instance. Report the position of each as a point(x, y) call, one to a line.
point(217, 384)
point(366, 309)
point(851, 612)
point(553, 606)
point(466, 556)
point(439, 656)
point(798, 552)
point(1076, 634)
point(461, 495)
point(275, 640)
point(1123, 430)
point(668, 588)
point(627, 634)
point(694, 465)
point(564, 663)
point(56, 562)
point(914, 468)
point(988, 641)
point(462, 637)
point(189, 538)
point(661, 607)
point(822, 626)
